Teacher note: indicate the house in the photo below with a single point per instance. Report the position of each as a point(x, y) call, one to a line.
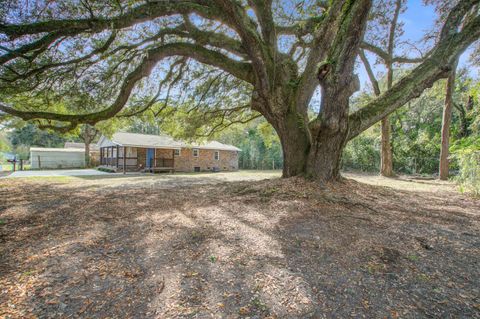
point(145, 152)
point(42, 157)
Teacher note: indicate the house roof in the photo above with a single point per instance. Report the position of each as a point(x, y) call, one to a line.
point(161, 141)
point(93, 147)
point(49, 149)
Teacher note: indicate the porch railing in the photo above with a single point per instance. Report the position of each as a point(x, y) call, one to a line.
point(163, 162)
point(112, 161)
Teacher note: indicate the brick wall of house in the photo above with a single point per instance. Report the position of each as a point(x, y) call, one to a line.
point(141, 157)
point(186, 162)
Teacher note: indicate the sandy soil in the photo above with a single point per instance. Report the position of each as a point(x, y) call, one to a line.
point(236, 246)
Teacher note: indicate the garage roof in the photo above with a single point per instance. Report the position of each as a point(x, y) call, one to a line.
point(47, 149)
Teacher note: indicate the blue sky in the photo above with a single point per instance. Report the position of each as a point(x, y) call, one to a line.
point(418, 19)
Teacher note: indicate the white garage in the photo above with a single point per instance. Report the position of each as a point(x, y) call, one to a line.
point(56, 157)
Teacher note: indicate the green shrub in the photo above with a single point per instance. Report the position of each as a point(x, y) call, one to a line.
point(468, 161)
point(362, 153)
point(104, 169)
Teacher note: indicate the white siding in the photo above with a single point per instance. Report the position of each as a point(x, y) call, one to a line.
point(40, 159)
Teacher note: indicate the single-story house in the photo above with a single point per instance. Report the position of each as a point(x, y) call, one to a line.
point(41, 157)
point(143, 152)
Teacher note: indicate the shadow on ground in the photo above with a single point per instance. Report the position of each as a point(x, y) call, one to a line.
point(273, 248)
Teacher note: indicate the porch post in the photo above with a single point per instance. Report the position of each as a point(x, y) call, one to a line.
point(173, 159)
point(124, 160)
point(117, 157)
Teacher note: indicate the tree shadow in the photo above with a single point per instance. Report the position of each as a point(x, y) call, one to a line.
point(234, 249)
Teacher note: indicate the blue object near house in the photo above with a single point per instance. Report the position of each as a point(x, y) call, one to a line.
point(150, 158)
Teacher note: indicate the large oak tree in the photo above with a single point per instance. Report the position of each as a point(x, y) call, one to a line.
point(279, 52)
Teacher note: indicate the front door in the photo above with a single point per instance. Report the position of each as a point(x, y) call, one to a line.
point(150, 158)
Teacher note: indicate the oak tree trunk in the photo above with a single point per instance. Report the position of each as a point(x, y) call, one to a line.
point(315, 150)
point(446, 121)
point(319, 159)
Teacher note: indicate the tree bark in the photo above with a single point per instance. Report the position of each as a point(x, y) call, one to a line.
point(386, 164)
point(88, 134)
point(314, 149)
point(386, 152)
point(317, 157)
point(446, 121)
point(295, 144)
point(87, 154)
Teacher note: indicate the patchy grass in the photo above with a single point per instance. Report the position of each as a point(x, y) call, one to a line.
point(237, 245)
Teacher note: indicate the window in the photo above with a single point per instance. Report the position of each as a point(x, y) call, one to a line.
point(177, 152)
point(195, 152)
point(131, 152)
point(216, 155)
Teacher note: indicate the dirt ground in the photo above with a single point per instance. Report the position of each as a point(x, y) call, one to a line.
point(237, 245)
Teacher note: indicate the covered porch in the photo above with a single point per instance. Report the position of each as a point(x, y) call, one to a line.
point(126, 158)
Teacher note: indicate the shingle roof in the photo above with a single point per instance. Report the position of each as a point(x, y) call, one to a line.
point(164, 141)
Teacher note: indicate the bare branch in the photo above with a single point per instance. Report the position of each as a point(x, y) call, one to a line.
point(371, 76)
point(385, 56)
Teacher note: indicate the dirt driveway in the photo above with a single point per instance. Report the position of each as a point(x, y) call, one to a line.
point(237, 246)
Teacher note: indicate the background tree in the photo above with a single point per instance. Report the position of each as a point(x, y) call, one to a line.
point(88, 134)
point(385, 21)
point(446, 121)
point(416, 129)
point(278, 54)
point(23, 136)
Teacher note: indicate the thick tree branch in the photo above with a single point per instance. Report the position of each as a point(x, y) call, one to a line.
point(301, 28)
point(139, 14)
point(263, 11)
point(385, 56)
point(104, 47)
point(334, 47)
point(260, 54)
point(238, 69)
